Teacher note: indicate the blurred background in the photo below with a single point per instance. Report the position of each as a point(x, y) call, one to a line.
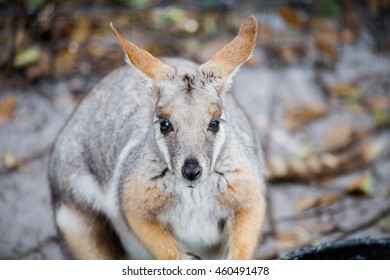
point(318, 83)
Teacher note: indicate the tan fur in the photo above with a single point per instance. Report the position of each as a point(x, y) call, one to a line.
point(215, 112)
point(141, 206)
point(226, 61)
point(150, 66)
point(248, 201)
point(91, 238)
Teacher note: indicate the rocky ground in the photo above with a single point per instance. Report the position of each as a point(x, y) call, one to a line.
point(296, 214)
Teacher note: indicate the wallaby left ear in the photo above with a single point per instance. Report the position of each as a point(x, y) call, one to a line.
point(151, 67)
point(226, 61)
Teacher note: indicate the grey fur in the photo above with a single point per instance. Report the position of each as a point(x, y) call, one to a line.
point(122, 109)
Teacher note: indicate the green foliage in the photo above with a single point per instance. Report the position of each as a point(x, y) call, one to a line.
point(33, 4)
point(331, 8)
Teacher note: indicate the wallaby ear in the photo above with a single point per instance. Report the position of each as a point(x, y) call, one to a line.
point(226, 61)
point(142, 60)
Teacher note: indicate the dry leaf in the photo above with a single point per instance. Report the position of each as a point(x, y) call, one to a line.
point(65, 63)
point(346, 36)
point(317, 227)
point(295, 120)
point(348, 91)
point(328, 50)
point(291, 16)
point(330, 199)
point(305, 204)
point(82, 32)
point(381, 117)
point(288, 55)
point(362, 185)
point(7, 107)
point(382, 102)
point(28, 56)
point(10, 161)
point(338, 137)
point(384, 225)
point(291, 240)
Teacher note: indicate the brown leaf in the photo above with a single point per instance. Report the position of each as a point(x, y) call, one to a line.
point(382, 102)
point(297, 118)
point(305, 204)
point(11, 162)
point(346, 36)
point(328, 50)
point(317, 227)
point(291, 16)
point(330, 199)
point(7, 107)
point(362, 185)
point(349, 91)
point(338, 137)
point(291, 240)
point(82, 32)
point(65, 63)
point(288, 55)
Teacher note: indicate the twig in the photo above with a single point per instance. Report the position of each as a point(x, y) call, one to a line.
point(366, 224)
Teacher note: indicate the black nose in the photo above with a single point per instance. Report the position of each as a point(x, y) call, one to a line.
point(191, 169)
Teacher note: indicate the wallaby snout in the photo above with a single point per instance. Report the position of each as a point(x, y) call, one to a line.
point(191, 169)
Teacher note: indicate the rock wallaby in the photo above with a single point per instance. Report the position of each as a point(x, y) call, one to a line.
point(159, 162)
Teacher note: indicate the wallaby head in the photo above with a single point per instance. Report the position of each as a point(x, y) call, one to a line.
point(189, 119)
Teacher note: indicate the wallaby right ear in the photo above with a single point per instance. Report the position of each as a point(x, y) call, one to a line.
point(226, 61)
point(151, 67)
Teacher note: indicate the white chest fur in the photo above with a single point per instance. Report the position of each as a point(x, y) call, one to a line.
point(197, 219)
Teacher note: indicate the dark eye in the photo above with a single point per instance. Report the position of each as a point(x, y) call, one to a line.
point(214, 125)
point(165, 126)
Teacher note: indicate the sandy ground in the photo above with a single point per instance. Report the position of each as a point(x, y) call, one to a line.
point(27, 228)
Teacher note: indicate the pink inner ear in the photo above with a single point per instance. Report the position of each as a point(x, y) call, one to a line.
point(234, 54)
point(146, 63)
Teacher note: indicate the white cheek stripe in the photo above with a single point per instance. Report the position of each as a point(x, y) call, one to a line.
point(164, 150)
point(219, 141)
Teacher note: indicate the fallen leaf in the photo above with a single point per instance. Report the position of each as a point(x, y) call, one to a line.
point(82, 32)
point(291, 240)
point(381, 116)
point(291, 16)
point(363, 185)
point(288, 55)
point(378, 102)
point(7, 107)
point(28, 56)
point(65, 63)
point(317, 227)
point(327, 49)
point(305, 204)
point(347, 91)
point(305, 150)
point(295, 119)
point(329, 199)
point(338, 137)
point(346, 36)
point(10, 161)
point(384, 224)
